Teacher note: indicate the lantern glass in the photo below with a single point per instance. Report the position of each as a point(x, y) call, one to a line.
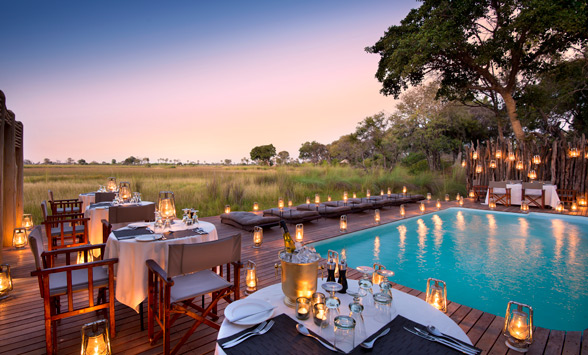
point(250, 277)
point(344, 196)
point(96, 338)
point(124, 191)
point(524, 207)
point(328, 198)
point(518, 326)
point(343, 224)
point(317, 199)
point(257, 236)
point(520, 165)
point(402, 211)
point(111, 184)
point(438, 205)
point(389, 192)
point(472, 194)
point(255, 207)
point(436, 294)
point(354, 195)
point(536, 160)
point(281, 203)
point(368, 193)
point(461, 201)
point(422, 208)
point(299, 232)
point(498, 154)
point(478, 169)
point(532, 175)
point(377, 216)
point(447, 198)
point(492, 204)
point(559, 208)
point(27, 221)
point(429, 196)
point(475, 155)
point(227, 208)
point(511, 156)
point(404, 190)
point(308, 200)
point(582, 202)
point(289, 203)
point(574, 207)
point(492, 164)
point(20, 238)
point(381, 192)
point(5, 280)
point(457, 197)
point(574, 153)
point(166, 205)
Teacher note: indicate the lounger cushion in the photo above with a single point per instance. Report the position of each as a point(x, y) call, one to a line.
point(248, 220)
point(293, 216)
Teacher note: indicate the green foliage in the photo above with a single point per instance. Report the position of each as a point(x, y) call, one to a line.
point(313, 151)
point(263, 153)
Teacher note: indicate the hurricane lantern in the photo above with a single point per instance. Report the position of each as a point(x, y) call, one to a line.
point(422, 207)
point(20, 238)
point(574, 207)
point(368, 193)
point(474, 155)
point(328, 198)
point(227, 208)
point(255, 207)
point(492, 164)
point(478, 169)
point(124, 191)
point(377, 216)
point(308, 200)
point(532, 175)
point(344, 196)
point(389, 192)
point(250, 277)
point(518, 326)
point(281, 203)
point(381, 192)
point(96, 338)
point(111, 184)
point(447, 198)
point(343, 224)
point(354, 195)
point(5, 280)
point(436, 294)
point(317, 199)
point(536, 160)
point(492, 204)
point(472, 194)
point(289, 203)
point(438, 205)
point(27, 221)
point(524, 207)
point(582, 202)
point(559, 208)
point(498, 154)
point(402, 211)
point(429, 196)
point(574, 153)
point(511, 156)
point(299, 236)
point(460, 202)
point(520, 165)
point(457, 197)
point(257, 236)
point(166, 205)
point(404, 190)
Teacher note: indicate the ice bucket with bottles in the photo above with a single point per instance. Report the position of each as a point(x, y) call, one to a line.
point(299, 279)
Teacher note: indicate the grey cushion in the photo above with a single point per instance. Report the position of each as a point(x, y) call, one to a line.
point(58, 281)
point(200, 283)
point(68, 210)
point(67, 230)
point(293, 216)
point(248, 220)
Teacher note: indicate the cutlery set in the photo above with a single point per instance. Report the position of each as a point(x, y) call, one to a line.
point(445, 340)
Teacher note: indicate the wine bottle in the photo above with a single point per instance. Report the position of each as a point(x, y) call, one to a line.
point(288, 242)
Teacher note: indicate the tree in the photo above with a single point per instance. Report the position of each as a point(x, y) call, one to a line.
point(82, 162)
point(113, 161)
point(69, 161)
point(244, 161)
point(263, 153)
point(131, 160)
point(479, 46)
point(313, 151)
point(283, 158)
point(47, 161)
point(228, 161)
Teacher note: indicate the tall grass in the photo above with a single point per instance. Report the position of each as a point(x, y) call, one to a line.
point(210, 188)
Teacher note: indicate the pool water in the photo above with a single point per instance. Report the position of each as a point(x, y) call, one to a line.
point(486, 258)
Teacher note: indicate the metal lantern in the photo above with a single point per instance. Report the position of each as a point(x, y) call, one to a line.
point(520, 165)
point(582, 202)
point(27, 221)
point(368, 193)
point(498, 154)
point(5, 280)
point(377, 278)
point(457, 197)
point(299, 233)
point(536, 160)
point(227, 208)
point(472, 194)
point(474, 155)
point(328, 198)
point(478, 169)
point(289, 203)
point(574, 152)
point(574, 207)
point(438, 205)
point(257, 236)
point(463, 163)
point(250, 277)
point(111, 184)
point(511, 156)
point(84, 257)
point(436, 294)
point(524, 207)
point(404, 190)
point(308, 200)
point(447, 198)
point(166, 205)
point(389, 192)
point(518, 326)
point(461, 201)
point(317, 199)
point(532, 175)
point(20, 238)
point(492, 204)
point(343, 224)
point(345, 197)
point(429, 196)
point(354, 195)
point(255, 207)
point(402, 211)
point(124, 191)
point(559, 208)
point(377, 216)
point(96, 338)
point(281, 203)
point(381, 192)
point(492, 164)
point(422, 207)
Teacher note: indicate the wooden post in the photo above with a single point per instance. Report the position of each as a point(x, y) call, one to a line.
point(19, 156)
point(9, 180)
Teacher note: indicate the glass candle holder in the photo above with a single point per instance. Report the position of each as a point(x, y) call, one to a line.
point(255, 207)
point(402, 211)
point(318, 297)
point(299, 232)
point(303, 308)
point(447, 198)
point(27, 221)
point(20, 238)
point(376, 216)
point(319, 314)
point(257, 236)
point(281, 203)
point(343, 224)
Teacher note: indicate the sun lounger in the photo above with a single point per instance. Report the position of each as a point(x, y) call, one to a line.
point(326, 211)
point(248, 220)
point(293, 216)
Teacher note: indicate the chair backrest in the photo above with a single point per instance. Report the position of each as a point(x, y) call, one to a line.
point(497, 184)
point(44, 210)
point(37, 247)
point(50, 194)
point(189, 258)
point(103, 197)
point(515, 181)
point(106, 229)
point(125, 214)
point(532, 185)
point(64, 231)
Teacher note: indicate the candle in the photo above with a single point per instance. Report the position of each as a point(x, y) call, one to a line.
point(319, 314)
point(302, 308)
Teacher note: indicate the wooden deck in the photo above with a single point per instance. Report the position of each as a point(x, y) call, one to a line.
point(21, 314)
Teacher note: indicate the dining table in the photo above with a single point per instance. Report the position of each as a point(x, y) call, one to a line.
point(516, 194)
point(135, 244)
point(87, 199)
point(403, 305)
point(98, 211)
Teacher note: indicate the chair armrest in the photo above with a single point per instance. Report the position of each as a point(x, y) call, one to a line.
point(73, 249)
point(68, 216)
point(54, 270)
point(157, 270)
point(66, 200)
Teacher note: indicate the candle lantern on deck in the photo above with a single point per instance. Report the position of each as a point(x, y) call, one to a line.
point(281, 203)
point(299, 232)
point(559, 208)
point(381, 192)
point(404, 190)
point(111, 184)
point(532, 175)
point(377, 216)
point(438, 205)
point(289, 203)
point(582, 202)
point(317, 199)
point(5, 280)
point(518, 326)
point(492, 164)
point(492, 204)
point(422, 207)
point(472, 194)
point(308, 200)
point(389, 192)
point(328, 198)
point(27, 221)
point(429, 196)
point(536, 160)
point(436, 294)
point(474, 155)
point(227, 208)
point(166, 205)
point(498, 154)
point(255, 207)
point(368, 193)
point(478, 169)
point(124, 191)
point(402, 211)
point(96, 338)
point(511, 156)
point(345, 197)
point(461, 201)
point(354, 195)
point(20, 238)
point(524, 207)
point(574, 153)
point(447, 198)
point(257, 236)
point(574, 207)
point(343, 223)
point(520, 165)
point(457, 197)
point(250, 277)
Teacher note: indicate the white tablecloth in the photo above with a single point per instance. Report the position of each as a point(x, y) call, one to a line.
point(96, 215)
point(516, 194)
point(131, 271)
point(406, 305)
point(87, 199)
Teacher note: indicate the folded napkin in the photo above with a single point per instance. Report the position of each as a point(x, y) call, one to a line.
point(101, 204)
point(123, 234)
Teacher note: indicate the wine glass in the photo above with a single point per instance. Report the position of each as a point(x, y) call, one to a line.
point(355, 312)
point(186, 216)
point(195, 216)
point(332, 304)
point(365, 283)
point(385, 285)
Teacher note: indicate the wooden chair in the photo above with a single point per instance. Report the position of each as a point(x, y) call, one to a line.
point(480, 192)
point(44, 210)
point(190, 275)
point(106, 230)
point(104, 197)
point(65, 206)
point(534, 193)
point(567, 196)
point(498, 196)
point(66, 230)
point(68, 280)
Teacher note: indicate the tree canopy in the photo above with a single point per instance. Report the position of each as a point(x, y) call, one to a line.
point(479, 47)
point(263, 153)
point(313, 151)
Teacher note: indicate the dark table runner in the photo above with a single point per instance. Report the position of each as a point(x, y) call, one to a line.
point(284, 339)
point(123, 234)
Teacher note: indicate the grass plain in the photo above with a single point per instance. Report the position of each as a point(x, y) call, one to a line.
point(210, 188)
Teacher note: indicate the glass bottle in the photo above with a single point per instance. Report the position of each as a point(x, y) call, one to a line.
point(288, 242)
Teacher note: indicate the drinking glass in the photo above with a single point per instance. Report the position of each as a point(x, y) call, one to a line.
point(138, 194)
point(195, 216)
point(355, 312)
point(344, 333)
point(365, 283)
point(383, 307)
point(332, 304)
point(386, 285)
point(186, 216)
point(116, 200)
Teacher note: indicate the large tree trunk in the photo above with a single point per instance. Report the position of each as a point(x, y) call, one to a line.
point(511, 108)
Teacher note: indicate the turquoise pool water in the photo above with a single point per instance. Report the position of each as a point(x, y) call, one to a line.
point(486, 259)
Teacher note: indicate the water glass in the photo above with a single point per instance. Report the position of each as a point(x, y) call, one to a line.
point(355, 312)
point(383, 307)
point(344, 333)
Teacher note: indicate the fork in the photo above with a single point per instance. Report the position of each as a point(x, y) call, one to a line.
point(441, 341)
point(256, 330)
point(261, 332)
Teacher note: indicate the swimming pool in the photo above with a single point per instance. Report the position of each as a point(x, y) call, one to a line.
point(486, 259)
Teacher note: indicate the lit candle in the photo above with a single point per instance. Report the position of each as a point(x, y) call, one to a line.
point(281, 203)
point(463, 163)
point(404, 190)
point(319, 314)
point(518, 326)
point(520, 165)
point(19, 238)
point(308, 200)
point(368, 193)
point(27, 221)
point(343, 224)
point(461, 201)
point(422, 208)
point(255, 206)
point(472, 194)
point(479, 169)
point(447, 198)
point(524, 207)
point(438, 205)
point(475, 155)
point(250, 278)
point(257, 236)
point(5, 280)
point(559, 208)
point(354, 195)
point(429, 196)
point(457, 197)
point(345, 197)
point(227, 209)
point(536, 160)
point(289, 203)
point(329, 198)
point(402, 211)
point(498, 154)
point(389, 192)
point(511, 156)
point(317, 199)
point(377, 216)
point(302, 308)
point(492, 204)
point(436, 294)
point(574, 207)
point(299, 232)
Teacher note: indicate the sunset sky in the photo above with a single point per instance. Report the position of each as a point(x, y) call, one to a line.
point(190, 80)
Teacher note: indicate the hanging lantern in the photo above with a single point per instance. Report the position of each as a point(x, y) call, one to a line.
point(402, 211)
point(438, 205)
point(250, 277)
point(518, 326)
point(460, 202)
point(124, 191)
point(422, 208)
point(299, 232)
point(368, 193)
point(524, 207)
point(478, 169)
point(463, 164)
point(27, 221)
point(377, 216)
point(281, 203)
point(475, 155)
point(447, 198)
point(404, 190)
point(345, 197)
point(328, 198)
point(317, 199)
point(492, 164)
point(84, 257)
point(111, 184)
point(532, 175)
point(5, 280)
point(255, 207)
point(536, 160)
point(343, 224)
point(166, 205)
point(492, 204)
point(289, 203)
point(308, 200)
point(377, 278)
point(511, 156)
point(574, 207)
point(520, 165)
point(436, 294)
point(498, 154)
point(257, 237)
point(472, 194)
point(96, 338)
point(574, 152)
point(429, 196)
point(559, 208)
point(20, 238)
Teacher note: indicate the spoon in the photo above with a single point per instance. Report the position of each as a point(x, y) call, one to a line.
point(431, 329)
point(304, 331)
point(370, 344)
